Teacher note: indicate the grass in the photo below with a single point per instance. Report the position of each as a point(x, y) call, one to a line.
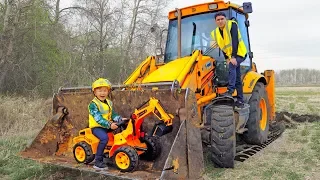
point(295, 155)
point(299, 100)
point(21, 119)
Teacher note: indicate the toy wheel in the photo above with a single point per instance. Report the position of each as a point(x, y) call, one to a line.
point(126, 159)
point(82, 153)
point(153, 148)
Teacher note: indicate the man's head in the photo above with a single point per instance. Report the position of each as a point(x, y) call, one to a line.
point(220, 18)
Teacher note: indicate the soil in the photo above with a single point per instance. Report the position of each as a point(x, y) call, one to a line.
point(292, 120)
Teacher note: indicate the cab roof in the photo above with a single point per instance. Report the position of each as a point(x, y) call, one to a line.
point(203, 8)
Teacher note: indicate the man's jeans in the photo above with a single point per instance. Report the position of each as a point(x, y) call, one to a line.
point(235, 81)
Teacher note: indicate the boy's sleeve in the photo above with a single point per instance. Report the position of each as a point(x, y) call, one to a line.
point(114, 116)
point(96, 114)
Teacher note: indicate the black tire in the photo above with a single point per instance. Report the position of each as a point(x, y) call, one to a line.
point(131, 154)
point(255, 134)
point(89, 156)
point(223, 137)
point(153, 148)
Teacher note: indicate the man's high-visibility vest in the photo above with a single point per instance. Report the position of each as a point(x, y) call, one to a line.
point(225, 42)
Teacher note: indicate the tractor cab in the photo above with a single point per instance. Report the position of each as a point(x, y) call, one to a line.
point(190, 29)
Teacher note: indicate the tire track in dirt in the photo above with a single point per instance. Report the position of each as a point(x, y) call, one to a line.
point(283, 120)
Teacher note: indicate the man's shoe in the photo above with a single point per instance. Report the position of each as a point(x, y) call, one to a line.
point(100, 165)
point(239, 104)
point(226, 94)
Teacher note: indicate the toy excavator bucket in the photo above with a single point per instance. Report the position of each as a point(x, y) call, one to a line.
point(181, 155)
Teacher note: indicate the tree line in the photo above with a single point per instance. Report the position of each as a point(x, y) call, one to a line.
point(298, 77)
point(44, 46)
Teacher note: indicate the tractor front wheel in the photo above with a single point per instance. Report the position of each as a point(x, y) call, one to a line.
point(82, 152)
point(126, 159)
point(258, 122)
point(153, 148)
point(223, 137)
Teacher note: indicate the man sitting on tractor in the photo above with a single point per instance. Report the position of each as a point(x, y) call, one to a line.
point(102, 118)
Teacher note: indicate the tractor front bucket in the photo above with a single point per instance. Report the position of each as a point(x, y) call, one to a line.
point(181, 150)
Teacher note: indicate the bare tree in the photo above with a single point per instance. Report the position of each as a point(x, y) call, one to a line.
point(13, 9)
point(44, 46)
point(144, 14)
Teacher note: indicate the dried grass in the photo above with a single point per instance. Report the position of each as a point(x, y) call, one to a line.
point(21, 116)
point(295, 155)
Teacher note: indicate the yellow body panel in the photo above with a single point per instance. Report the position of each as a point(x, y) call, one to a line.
point(187, 67)
point(270, 77)
point(142, 69)
point(120, 138)
point(250, 80)
point(197, 79)
point(167, 73)
point(87, 136)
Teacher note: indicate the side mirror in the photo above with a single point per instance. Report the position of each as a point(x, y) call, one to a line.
point(247, 7)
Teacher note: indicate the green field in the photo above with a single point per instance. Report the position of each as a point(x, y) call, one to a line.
point(295, 155)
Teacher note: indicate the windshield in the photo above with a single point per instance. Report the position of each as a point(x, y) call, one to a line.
point(195, 35)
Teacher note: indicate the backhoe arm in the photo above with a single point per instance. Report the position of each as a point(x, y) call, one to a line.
point(148, 65)
point(153, 106)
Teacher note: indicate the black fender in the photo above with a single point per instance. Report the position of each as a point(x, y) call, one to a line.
point(229, 101)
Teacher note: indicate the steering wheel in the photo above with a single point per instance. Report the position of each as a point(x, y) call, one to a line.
point(121, 126)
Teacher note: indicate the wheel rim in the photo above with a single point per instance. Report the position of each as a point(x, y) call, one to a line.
point(122, 160)
point(264, 117)
point(80, 154)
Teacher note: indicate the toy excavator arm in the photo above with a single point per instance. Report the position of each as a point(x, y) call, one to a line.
point(154, 107)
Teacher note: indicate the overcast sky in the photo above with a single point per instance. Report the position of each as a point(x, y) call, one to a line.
point(283, 34)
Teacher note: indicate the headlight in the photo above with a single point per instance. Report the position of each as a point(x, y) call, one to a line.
point(213, 6)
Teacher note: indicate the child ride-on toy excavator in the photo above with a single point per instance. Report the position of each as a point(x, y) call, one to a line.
point(128, 142)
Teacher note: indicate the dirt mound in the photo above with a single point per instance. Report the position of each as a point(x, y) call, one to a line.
point(291, 120)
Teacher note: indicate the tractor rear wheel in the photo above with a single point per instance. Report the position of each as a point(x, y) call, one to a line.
point(258, 122)
point(126, 159)
point(223, 137)
point(153, 148)
point(82, 152)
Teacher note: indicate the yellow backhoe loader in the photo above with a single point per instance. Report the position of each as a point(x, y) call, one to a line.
point(188, 81)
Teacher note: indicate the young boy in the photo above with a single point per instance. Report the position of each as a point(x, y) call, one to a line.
point(102, 118)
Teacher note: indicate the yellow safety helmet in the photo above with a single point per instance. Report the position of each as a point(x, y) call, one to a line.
point(101, 82)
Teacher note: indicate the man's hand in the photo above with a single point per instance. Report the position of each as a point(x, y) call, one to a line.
point(114, 126)
point(233, 61)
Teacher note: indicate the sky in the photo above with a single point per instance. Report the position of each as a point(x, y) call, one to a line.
point(284, 34)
